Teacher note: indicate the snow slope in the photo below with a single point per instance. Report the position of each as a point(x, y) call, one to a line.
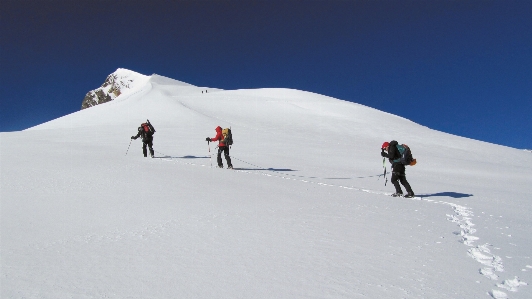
point(303, 215)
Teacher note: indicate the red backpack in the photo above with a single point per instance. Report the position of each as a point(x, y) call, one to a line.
point(145, 127)
point(148, 128)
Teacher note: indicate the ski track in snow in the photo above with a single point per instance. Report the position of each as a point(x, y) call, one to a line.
point(462, 217)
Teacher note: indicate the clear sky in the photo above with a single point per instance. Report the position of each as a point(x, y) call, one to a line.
point(462, 67)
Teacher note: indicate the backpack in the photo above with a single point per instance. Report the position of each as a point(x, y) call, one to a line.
point(228, 136)
point(148, 128)
point(406, 155)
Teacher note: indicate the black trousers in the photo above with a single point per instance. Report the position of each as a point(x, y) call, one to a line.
point(224, 149)
point(150, 145)
point(398, 175)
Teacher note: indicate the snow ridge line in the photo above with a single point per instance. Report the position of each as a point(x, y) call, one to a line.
point(480, 253)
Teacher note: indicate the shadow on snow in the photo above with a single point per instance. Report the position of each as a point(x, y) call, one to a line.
point(183, 157)
point(447, 194)
point(268, 169)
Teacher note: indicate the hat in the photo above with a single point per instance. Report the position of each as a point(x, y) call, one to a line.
point(385, 145)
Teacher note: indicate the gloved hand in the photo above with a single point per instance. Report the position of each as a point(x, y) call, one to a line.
point(383, 154)
point(133, 137)
point(208, 139)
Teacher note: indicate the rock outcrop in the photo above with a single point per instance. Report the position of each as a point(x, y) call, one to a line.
point(115, 84)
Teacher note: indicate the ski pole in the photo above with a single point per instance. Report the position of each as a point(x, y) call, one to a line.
point(129, 146)
point(384, 167)
point(210, 156)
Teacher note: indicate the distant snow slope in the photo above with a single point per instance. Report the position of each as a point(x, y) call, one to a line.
point(304, 214)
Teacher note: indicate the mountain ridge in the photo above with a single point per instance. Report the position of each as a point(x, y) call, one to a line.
point(123, 81)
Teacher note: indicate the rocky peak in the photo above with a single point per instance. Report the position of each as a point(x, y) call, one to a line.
point(115, 84)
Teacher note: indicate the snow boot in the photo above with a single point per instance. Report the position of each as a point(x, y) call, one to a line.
point(230, 167)
point(410, 195)
point(397, 194)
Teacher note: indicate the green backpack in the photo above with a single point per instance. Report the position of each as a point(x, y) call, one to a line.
point(406, 155)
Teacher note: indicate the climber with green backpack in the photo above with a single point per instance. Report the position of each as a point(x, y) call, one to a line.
point(399, 155)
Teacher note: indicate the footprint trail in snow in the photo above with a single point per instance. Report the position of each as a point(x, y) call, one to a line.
point(491, 264)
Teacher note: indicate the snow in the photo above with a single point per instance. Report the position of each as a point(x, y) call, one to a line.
point(304, 214)
point(127, 81)
point(123, 79)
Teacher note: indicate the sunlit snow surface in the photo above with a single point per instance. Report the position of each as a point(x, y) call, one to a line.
point(304, 214)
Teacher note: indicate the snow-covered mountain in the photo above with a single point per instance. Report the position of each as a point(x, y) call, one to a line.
point(120, 82)
point(304, 214)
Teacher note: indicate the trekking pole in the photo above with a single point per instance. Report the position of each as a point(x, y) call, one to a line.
point(384, 167)
point(129, 146)
point(210, 156)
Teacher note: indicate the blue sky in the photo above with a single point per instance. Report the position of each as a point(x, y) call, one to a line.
point(462, 67)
